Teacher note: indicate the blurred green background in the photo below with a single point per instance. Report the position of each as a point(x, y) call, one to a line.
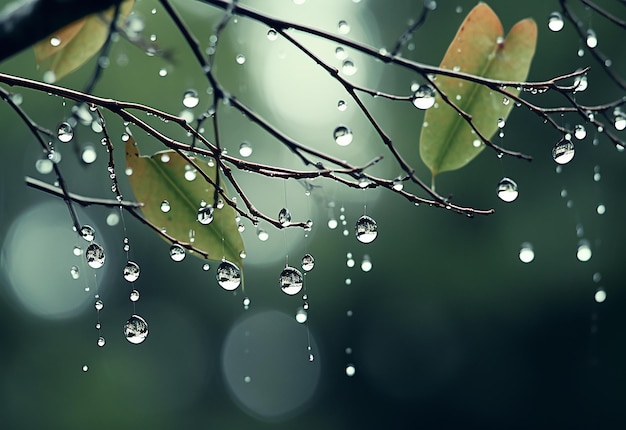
point(449, 328)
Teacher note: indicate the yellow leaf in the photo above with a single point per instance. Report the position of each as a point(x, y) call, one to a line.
point(71, 46)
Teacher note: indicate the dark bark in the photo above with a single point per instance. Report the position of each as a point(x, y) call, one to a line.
point(24, 23)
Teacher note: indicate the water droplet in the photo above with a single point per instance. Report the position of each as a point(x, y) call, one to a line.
point(343, 135)
point(165, 206)
point(332, 223)
point(366, 229)
point(55, 41)
point(348, 67)
point(95, 256)
point(290, 280)
point(342, 105)
point(350, 370)
point(88, 154)
point(245, 149)
point(583, 253)
point(44, 166)
point(240, 58)
point(579, 132)
point(555, 21)
point(366, 263)
point(526, 253)
point(98, 305)
point(505, 101)
point(177, 252)
point(131, 271)
point(308, 262)
point(592, 40)
point(85, 368)
point(600, 295)
point(205, 214)
point(311, 357)
point(284, 217)
point(580, 83)
point(272, 34)
point(563, 151)
point(619, 121)
point(49, 77)
point(476, 143)
point(601, 209)
point(191, 98)
point(507, 190)
point(343, 27)
point(301, 315)
point(165, 158)
point(190, 174)
point(228, 275)
point(74, 272)
point(65, 133)
point(113, 219)
point(77, 250)
point(136, 329)
point(262, 235)
point(424, 97)
point(134, 296)
point(501, 122)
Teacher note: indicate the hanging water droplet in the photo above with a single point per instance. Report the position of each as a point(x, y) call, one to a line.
point(246, 303)
point(342, 105)
point(583, 253)
point(348, 67)
point(424, 97)
point(228, 275)
point(332, 223)
point(131, 271)
point(44, 166)
point(99, 304)
point(87, 232)
point(136, 329)
point(563, 151)
point(366, 229)
point(350, 370)
point(366, 263)
point(311, 357)
point(191, 98)
point(301, 315)
point(165, 206)
point(600, 295)
point(88, 154)
point(343, 135)
point(349, 260)
point(290, 281)
point(555, 21)
point(308, 262)
point(74, 272)
point(95, 256)
point(501, 122)
point(165, 158)
point(77, 250)
point(134, 296)
point(579, 132)
point(262, 235)
point(205, 214)
point(343, 27)
point(619, 121)
point(580, 83)
point(507, 190)
point(55, 41)
point(272, 34)
point(240, 58)
point(601, 209)
point(284, 217)
point(592, 39)
point(245, 149)
point(526, 253)
point(65, 133)
point(190, 174)
point(85, 368)
point(177, 252)
point(101, 341)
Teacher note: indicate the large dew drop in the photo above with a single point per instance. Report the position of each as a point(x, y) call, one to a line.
point(190, 98)
point(555, 22)
point(131, 271)
point(526, 253)
point(87, 232)
point(366, 229)
point(65, 133)
point(308, 262)
point(95, 256)
point(507, 190)
point(136, 329)
point(205, 214)
point(343, 135)
point(177, 252)
point(290, 281)
point(284, 217)
point(228, 275)
point(563, 151)
point(424, 97)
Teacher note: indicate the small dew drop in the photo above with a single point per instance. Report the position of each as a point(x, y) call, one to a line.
point(366, 229)
point(228, 275)
point(290, 281)
point(131, 271)
point(592, 39)
point(44, 166)
point(579, 132)
point(99, 305)
point(343, 135)
point(301, 315)
point(563, 151)
point(366, 263)
point(77, 250)
point(165, 158)
point(340, 53)
point(134, 296)
point(165, 206)
point(350, 370)
point(583, 253)
point(136, 329)
point(177, 252)
point(601, 209)
point(272, 34)
point(95, 256)
point(555, 21)
point(88, 154)
point(600, 295)
point(245, 149)
point(619, 121)
point(55, 41)
point(342, 105)
point(284, 217)
point(343, 27)
point(65, 132)
point(101, 341)
point(526, 253)
point(580, 83)
point(191, 98)
point(240, 58)
point(308, 262)
point(501, 122)
point(74, 272)
point(476, 143)
point(348, 67)
point(424, 97)
point(190, 174)
point(205, 214)
point(507, 190)
point(505, 101)
point(85, 368)
point(113, 219)
point(262, 235)
point(332, 223)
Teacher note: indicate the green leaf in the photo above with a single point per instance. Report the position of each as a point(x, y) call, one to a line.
point(77, 42)
point(447, 142)
point(161, 177)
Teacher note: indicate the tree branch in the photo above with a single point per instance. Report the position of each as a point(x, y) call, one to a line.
point(23, 24)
